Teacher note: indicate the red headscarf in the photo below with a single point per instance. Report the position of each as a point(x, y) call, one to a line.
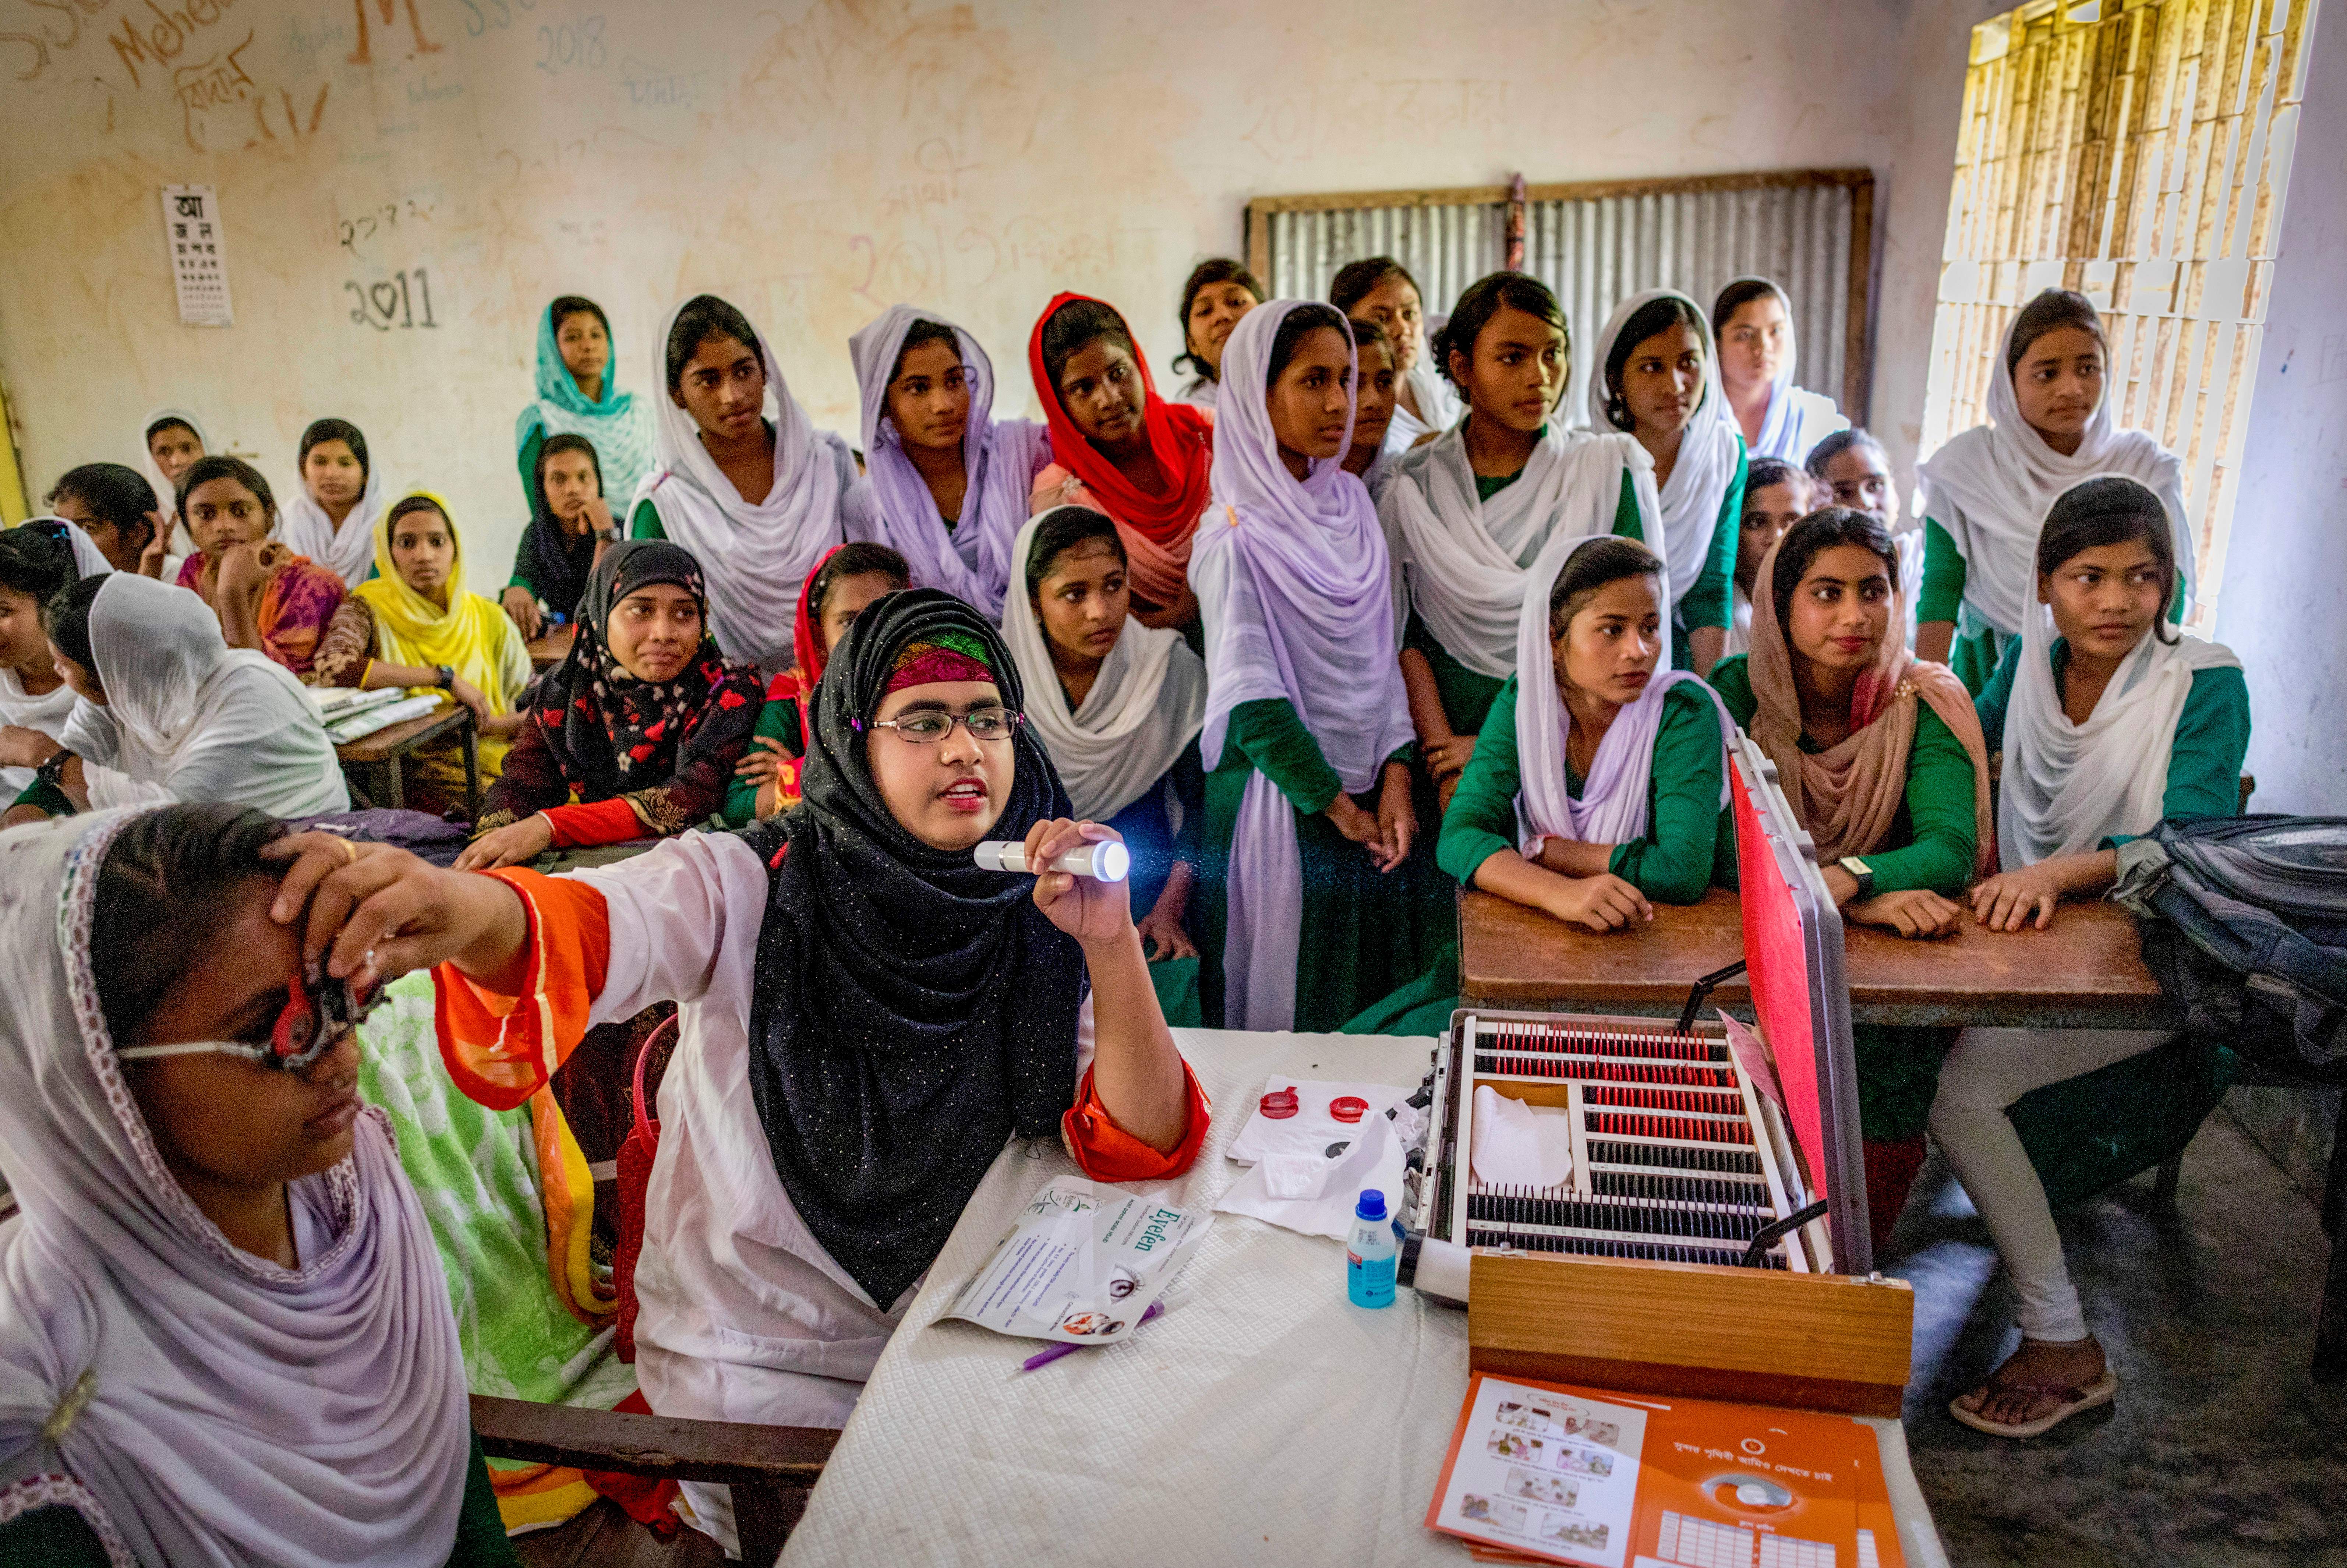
point(1156, 524)
point(807, 642)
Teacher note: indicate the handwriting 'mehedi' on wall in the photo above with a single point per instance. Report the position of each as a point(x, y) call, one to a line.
point(404, 184)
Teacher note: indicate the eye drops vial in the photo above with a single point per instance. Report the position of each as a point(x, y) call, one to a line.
point(1369, 1253)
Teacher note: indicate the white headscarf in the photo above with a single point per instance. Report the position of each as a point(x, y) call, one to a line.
point(754, 556)
point(1001, 458)
point(166, 494)
point(2065, 787)
point(1613, 804)
point(1293, 581)
point(2000, 479)
point(1146, 703)
point(1199, 392)
point(1709, 451)
point(197, 1403)
point(1797, 418)
point(1462, 561)
point(189, 718)
point(348, 552)
point(87, 558)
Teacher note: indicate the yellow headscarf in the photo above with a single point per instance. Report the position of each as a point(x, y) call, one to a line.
point(472, 636)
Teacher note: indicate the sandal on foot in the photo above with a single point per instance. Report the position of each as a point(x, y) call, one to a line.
point(2101, 1391)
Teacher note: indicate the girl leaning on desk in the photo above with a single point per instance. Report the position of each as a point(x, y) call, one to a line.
point(866, 1017)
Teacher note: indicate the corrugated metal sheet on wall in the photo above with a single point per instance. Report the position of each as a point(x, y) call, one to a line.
point(1596, 252)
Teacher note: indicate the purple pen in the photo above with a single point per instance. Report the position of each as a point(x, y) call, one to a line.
point(1045, 1357)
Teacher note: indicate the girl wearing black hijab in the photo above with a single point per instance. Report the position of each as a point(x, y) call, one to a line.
point(636, 733)
point(867, 1018)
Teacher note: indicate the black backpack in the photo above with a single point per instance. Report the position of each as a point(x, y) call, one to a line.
point(2247, 934)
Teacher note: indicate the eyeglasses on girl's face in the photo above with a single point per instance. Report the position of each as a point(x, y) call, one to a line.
point(928, 726)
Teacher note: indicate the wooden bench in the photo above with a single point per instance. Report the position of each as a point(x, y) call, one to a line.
point(371, 763)
point(2086, 972)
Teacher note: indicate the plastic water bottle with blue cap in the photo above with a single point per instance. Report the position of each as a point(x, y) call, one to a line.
point(1370, 1252)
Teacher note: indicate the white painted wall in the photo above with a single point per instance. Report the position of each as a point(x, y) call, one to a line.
point(816, 161)
point(2285, 601)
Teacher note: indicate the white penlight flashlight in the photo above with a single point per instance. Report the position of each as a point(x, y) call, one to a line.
point(1104, 862)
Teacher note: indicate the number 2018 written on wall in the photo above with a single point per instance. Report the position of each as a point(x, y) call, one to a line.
point(403, 299)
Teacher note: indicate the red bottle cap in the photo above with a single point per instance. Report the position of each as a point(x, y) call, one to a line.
point(1349, 1108)
point(1280, 1104)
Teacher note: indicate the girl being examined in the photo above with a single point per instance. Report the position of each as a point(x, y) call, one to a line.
point(758, 501)
point(1309, 822)
point(867, 1018)
point(1379, 289)
point(1467, 513)
point(570, 527)
point(2110, 723)
point(1987, 490)
point(170, 441)
point(114, 506)
point(636, 733)
point(1117, 447)
point(332, 514)
point(1597, 786)
point(1777, 495)
point(1658, 382)
point(579, 395)
point(1218, 292)
point(949, 482)
point(1752, 322)
point(1881, 755)
point(1374, 389)
point(412, 624)
point(170, 712)
point(265, 595)
point(1118, 707)
point(766, 780)
point(215, 1240)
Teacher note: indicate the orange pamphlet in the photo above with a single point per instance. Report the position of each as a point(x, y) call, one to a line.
point(1548, 1472)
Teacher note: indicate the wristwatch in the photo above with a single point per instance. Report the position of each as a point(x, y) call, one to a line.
point(448, 676)
point(1860, 873)
point(52, 772)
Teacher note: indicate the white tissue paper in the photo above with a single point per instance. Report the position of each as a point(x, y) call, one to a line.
point(1515, 1146)
point(1310, 1116)
point(1315, 1194)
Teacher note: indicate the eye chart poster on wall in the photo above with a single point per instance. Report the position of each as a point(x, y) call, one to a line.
point(192, 236)
point(1543, 1472)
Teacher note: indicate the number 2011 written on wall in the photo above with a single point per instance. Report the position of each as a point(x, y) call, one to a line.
point(403, 300)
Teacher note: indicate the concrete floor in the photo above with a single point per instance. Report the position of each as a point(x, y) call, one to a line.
point(2220, 1449)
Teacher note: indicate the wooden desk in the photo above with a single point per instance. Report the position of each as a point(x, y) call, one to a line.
point(551, 647)
point(2085, 972)
point(374, 759)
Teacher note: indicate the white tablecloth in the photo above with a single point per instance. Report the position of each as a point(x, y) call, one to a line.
point(1262, 1420)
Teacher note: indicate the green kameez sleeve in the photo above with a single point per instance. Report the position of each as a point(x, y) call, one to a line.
point(1481, 820)
point(1943, 593)
point(645, 522)
point(1943, 832)
point(1709, 602)
point(2204, 760)
point(1271, 736)
point(779, 719)
point(1997, 696)
point(1672, 865)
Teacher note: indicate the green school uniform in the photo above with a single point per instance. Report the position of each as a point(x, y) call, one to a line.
point(2085, 1133)
point(1364, 930)
point(1931, 845)
point(780, 719)
point(1978, 648)
point(2204, 760)
point(1673, 864)
point(58, 1537)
